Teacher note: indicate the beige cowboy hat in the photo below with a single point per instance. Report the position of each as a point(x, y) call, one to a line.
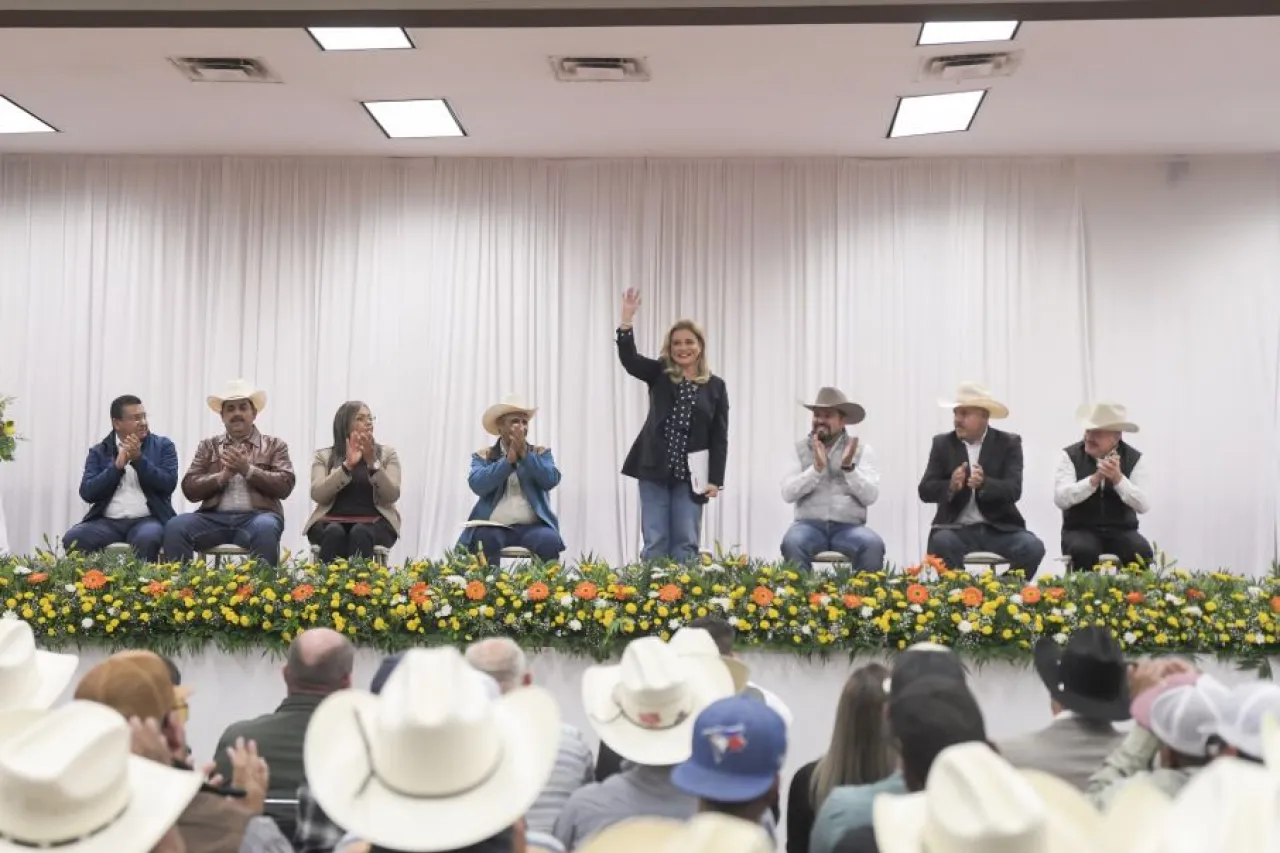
point(239, 389)
point(976, 396)
point(69, 781)
point(1107, 416)
point(644, 707)
point(433, 749)
point(508, 405)
point(30, 678)
point(699, 644)
point(708, 832)
point(834, 398)
point(975, 802)
point(1229, 805)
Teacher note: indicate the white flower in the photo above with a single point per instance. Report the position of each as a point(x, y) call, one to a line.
point(1193, 611)
point(300, 575)
point(806, 630)
point(70, 587)
point(780, 592)
point(964, 627)
point(9, 614)
point(714, 567)
point(1254, 591)
point(528, 617)
point(1258, 639)
point(722, 602)
point(1060, 638)
point(1171, 598)
point(673, 624)
point(916, 608)
point(575, 625)
point(1015, 599)
point(398, 599)
point(444, 611)
point(1130, 638)
point(566, 601)
point(457, 580)
point(867, 612)
point(599, 604)
point(21, 570)
point(1069, 609)
point(824, 599)
point(113, 611)
point(86, 623)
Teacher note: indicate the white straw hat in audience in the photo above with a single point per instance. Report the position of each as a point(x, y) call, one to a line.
point(1185, 717)
point(976, 802)
point(30, 678)
point(698, 643)
point(1134, 814)
point(69, 781)
point(433, 762)
point(1230, 806)
point(644, 707)
point(1240, 716)
point(708, 832)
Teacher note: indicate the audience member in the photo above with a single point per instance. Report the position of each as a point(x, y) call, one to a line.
point(859, 753)
point(1088, 687)
point(708, 832)
point(30, 678)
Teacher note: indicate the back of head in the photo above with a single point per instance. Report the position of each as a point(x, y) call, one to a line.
point(928, 715)
point(860, 751)
point(720, 630)
point(500, 658)
point(135, 683)
point(924, 660)
point(320, 662)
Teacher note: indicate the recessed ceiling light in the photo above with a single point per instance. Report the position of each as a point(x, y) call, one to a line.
point(966, 32)
point(923, 114)
point(361, 38)
point(14, 119)
point(415, 119)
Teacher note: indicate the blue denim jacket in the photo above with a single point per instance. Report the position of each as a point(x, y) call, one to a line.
point(488, 479)
point(157, 467)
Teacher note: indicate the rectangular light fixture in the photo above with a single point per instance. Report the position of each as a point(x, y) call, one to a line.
point(361, 38)
point(420, 119)
point(14, 119)
point(967, 32)
point(918, 115)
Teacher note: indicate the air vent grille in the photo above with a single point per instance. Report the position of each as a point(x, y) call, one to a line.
point(608, 69)
point(224, 69)
point(969, 66)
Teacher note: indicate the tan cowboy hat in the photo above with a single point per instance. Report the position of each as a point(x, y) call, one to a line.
point(976, 396)
point(69, 781)
point(708, 832)
point(644, 707)
point(834, 398)
point(1108, 416)
point(433, 749)
point(508, 405)
point(239, 389)
point(30, 678)
point(698, 643)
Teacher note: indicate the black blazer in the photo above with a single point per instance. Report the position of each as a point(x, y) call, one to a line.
point(1001, 461)
point(708, 431)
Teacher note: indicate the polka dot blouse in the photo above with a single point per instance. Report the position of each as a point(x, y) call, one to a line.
point(676, 430)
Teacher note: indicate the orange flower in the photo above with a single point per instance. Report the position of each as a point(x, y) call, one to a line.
point(1275, 604)
point(670, 592)
point(476, 590)
point(94, 579)
point(935, 561)
point(917, 594)
point(302, 592)
point(185, 592)
point(1134, 597)
point(1030, 594)
point(420, 593)
point(361, 589)
point(619, 592)
point(37, 577)
point(912, 571)
point(1195, 594)
point(538, 591)
point(815, 599)
point(762, 596)
point(851, 601)
point(245, 591)
point(972, 596)
point(1055, 592)
point(155, 589)
point(586, 590)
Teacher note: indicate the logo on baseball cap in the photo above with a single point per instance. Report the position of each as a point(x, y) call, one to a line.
point(739, 745)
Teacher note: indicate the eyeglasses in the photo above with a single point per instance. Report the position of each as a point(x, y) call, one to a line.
point(366, 419)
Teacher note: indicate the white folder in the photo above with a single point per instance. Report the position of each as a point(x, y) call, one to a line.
point(699, 470)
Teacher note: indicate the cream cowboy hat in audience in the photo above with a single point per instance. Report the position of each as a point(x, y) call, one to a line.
point(508, 405)
point(1229, 806)
point(834, 398)
point(976, 802)
point(1105, 416)
point(239, 389)
point(698, 643)
point(432, 762)
point(30, 677)
point(708, 832)
point(978, 397)
point(644, 707)
point(1134, 814)
point(69, 781)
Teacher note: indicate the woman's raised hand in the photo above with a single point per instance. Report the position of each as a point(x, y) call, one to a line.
point(630, 302)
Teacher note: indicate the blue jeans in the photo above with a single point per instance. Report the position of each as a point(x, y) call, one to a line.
point(805, 539)
point(670, 521)
point(1022, 548)
point(542, 540)
point(256, 532)
point(144, 534)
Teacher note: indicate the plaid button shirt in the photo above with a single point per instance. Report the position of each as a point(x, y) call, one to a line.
point(315, 833)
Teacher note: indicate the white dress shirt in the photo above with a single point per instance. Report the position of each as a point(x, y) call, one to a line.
point(971, 514)
point(129, 500)
point(1068, 491)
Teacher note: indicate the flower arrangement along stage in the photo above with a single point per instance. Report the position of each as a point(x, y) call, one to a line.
point(594, 609)
point(8, 433)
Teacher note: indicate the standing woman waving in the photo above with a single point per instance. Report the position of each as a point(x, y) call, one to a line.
point(688, 415)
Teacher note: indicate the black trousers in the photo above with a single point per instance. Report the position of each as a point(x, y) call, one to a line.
point(346, 539)
point(1085, 547)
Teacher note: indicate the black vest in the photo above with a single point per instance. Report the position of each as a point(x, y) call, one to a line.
point(1103, 508)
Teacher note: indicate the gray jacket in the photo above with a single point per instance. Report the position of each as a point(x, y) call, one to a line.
point(832, 495)
point(1071, 748)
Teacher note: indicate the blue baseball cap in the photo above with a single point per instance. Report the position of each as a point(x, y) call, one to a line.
point(739, 744)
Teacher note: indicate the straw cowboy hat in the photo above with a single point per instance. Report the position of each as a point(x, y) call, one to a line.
point(976, 802)
point(432, 762)
point(239, 389)
point(69, 781)
point(834, 398)
point(708, 832)
point(699, 644)
point(30, 678)
point(978, 397)
point(644, 707)
point(508, 405)
point(1106, 416)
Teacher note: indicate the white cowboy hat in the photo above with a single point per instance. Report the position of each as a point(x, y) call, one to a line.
point(68, 781)
point(975, 802)
point(644, 707)
point(1108, 416)
point(431, 763)
point(1134, 815)
point(834, 398)
point(239, 389)
point(708, 832)
point(698, 644)
point(30, 678)
point(976, 396)
point(1229, 805)
point(508, 405)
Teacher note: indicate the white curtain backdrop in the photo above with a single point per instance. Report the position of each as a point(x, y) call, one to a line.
point(428, 288)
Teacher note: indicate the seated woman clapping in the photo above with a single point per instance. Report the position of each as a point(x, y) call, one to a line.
point(355, 485)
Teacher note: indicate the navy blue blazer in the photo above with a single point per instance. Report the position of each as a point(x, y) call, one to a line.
point(157, 467)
